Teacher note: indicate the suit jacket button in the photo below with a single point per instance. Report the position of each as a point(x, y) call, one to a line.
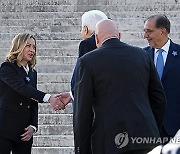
point(28, 106)
point(21, 104)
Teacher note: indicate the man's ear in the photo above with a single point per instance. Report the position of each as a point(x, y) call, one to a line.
point(86, 30)
point(163, 31)
point(97, 40)
point(119, 36)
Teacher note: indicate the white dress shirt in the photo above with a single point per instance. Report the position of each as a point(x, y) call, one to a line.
point(164, 53)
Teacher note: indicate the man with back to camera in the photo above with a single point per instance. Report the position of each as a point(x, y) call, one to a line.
point(89, 21)
point(120, 84)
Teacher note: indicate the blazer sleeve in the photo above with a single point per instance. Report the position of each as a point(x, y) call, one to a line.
point(83, 115)
point(10, 76)
point(157, 96)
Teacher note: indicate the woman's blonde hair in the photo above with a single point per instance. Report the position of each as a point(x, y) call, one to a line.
point(17, 47)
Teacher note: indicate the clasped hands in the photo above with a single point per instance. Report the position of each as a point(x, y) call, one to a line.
point(59, 101)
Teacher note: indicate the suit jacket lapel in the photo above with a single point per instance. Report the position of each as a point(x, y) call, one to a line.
point(170, 59)
point(28, 78)
point(31, 77)
point(151, 53)
point(22, 72)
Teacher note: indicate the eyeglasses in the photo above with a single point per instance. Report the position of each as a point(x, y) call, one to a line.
point(150, 31)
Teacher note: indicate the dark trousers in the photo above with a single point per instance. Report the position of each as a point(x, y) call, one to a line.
point(8, 146)
point(140, 151)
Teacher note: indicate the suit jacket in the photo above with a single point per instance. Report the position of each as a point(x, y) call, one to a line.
point(120, 83)
point(85, 46)
point(18, 108)
point(171, 83)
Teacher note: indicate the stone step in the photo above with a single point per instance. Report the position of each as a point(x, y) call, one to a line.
point(77, 36)
point(141, 14)
point(40, 22)
point(49, 60)
point(65, 15)
point(61, 68)
point(39, 29)
point(73, 2)
point(55, 119)
point(46, 108)
point(58, 36)
point(53, 68)
point(71, 21)
point(40, 2)
point(82, 8)
point(130, 2)
point(54, 88)
point(53, 150)
point(48, 52)
point(53, 141)
point(123, 27)
point(55, 130)
point(40, 15)
point(61, 44)
point(54, 77)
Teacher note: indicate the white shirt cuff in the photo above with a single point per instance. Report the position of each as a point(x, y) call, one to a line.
point(46, 98)
point(70, 93)
point(35, 129)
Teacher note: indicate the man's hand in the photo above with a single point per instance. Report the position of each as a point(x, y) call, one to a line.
point(65, 97)
point(28, 134)
point(56, 103)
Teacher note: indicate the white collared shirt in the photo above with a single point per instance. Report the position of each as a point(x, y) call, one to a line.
point(108, 39)
point(26, 68)
point(164, 53)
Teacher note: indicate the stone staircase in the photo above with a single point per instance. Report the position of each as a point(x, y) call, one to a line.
point(56, 24)
point(55, 134)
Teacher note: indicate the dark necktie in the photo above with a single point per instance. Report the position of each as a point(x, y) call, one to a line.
point(160, 63)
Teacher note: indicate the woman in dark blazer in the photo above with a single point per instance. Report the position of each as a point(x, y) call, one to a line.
point(19, 96)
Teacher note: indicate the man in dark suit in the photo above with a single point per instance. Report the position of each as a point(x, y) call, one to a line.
point(89, 21)
point(120, 84)
point(156, 30)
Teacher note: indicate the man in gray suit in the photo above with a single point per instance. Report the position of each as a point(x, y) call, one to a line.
point(120, 84)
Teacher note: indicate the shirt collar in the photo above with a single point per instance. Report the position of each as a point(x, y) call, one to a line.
point(165, 47)
point(26, 68)
point(108, 39)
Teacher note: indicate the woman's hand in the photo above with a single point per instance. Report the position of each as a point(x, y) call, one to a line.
point(28, 134)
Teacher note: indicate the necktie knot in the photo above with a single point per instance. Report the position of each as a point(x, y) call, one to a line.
point(160, 63)
point(160, 51)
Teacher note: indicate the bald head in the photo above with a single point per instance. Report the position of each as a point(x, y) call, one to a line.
point(106, 29)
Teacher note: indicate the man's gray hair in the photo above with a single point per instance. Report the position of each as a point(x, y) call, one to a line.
point(91, 18)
